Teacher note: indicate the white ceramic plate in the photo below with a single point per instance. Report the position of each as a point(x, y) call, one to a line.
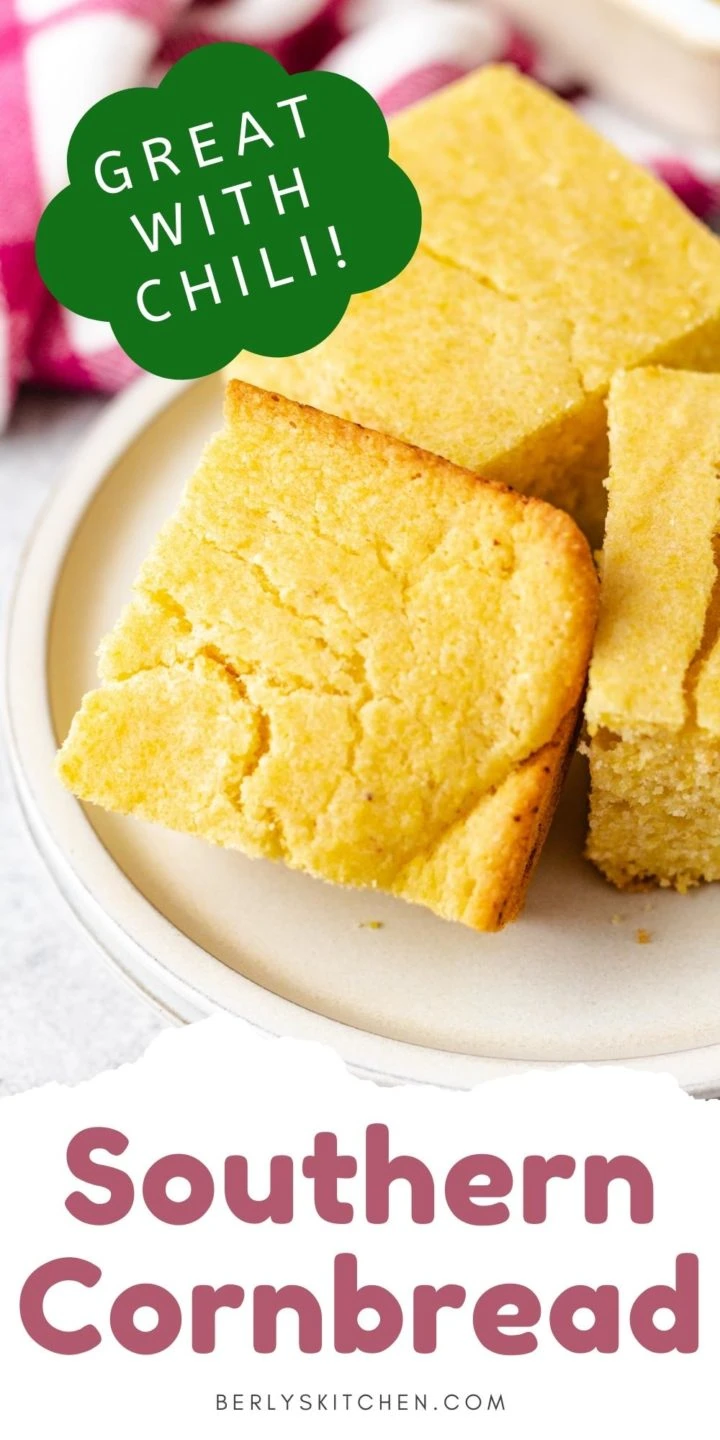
point(199, 928)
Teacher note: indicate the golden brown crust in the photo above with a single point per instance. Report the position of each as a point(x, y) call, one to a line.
point(538, 785)
point(242, 398)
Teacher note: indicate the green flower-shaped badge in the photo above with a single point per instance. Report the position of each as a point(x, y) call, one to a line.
point(234, 207)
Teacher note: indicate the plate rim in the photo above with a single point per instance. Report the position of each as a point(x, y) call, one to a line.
point(79, 863)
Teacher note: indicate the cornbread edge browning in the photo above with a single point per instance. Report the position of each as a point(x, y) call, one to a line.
point(349, 655)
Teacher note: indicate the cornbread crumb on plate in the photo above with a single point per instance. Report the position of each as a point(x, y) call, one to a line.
point(547, 262)
point(351, 656)
point(653, 706)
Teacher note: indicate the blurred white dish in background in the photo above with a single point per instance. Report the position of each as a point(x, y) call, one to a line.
point(660, 58)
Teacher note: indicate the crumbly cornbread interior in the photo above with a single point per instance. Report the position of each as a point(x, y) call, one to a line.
point(349, 655)
point(547, 262)
point(653, 706)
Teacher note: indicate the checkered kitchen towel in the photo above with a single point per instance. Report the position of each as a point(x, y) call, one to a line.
point(57, 57)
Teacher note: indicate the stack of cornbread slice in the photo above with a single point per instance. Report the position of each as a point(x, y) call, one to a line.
point(356, 656)
point(547, 262)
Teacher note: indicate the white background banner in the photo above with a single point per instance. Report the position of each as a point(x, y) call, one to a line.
point(167, 1286)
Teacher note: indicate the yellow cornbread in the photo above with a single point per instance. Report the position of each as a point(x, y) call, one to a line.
point(350, 655)
point(547, 261)
point(653, 706)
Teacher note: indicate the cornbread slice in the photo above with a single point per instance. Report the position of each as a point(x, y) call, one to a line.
point(547, 262)
point(349, 655)
point(653, 706)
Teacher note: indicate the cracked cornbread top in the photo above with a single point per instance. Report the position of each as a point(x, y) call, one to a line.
point(519, 192)
point(350, 655)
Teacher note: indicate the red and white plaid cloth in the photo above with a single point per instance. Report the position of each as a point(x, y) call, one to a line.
point(57, 57)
